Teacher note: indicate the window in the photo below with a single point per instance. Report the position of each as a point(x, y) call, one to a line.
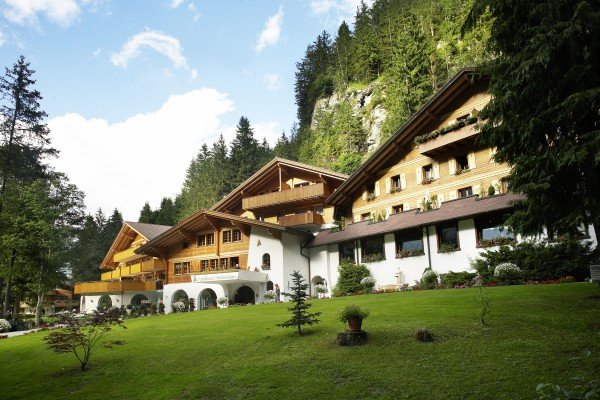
point(234, 262)
point(370, 188)
point(504, 185)
point(237, 235)
point(409, 243)
point(396, 184)
point(206, 240)
point(226, 236)
point(447, 238)
point(269, 285)
point(346, 251)
point(266, 261)
point(182, 268)
point(372, 249)
point(204, 265)
point(462, 163)
point(492, 232)
point(224, 263)
point(465, 192)
point(398, 209)
point(427, 174)
point(214, 264)
point(365, 217)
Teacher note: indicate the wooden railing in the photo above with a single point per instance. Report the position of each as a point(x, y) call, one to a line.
point(302, 219)
point(125, 254)
point(112, 287)
point(440, 143)
point(285, 196)
point(146, 266)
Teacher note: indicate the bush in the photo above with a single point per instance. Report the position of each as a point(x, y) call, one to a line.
point(269, 296)
point(352, 311)
point(507, 273)
point(222, 301)
point(458, 279)
point(161, 308)
point(368, 283)
point(179, 306)
point(539, 261)
point(429, 280)
point(4, 325)
point(350, 277)
point(321, 289)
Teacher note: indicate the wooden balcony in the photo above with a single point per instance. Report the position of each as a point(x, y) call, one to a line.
point(146, 266)
point(295, 195)
point(449, 141)
point(304, 219)
point(126, 255)
point(114, 287)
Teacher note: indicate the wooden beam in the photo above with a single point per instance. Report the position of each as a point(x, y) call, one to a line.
point(275, 233)
point(188, 235)
point(242, 227)
point(213, 222)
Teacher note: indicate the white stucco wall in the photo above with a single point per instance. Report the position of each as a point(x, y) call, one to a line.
point(89, 303)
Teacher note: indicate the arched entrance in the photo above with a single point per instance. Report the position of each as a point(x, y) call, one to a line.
point(180, 295)
point(104, 302)
point(321, 283)
point(138, 299)
point(244, 295)
point(208, 298)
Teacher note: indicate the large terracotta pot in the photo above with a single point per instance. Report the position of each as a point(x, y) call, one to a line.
point(355, 324)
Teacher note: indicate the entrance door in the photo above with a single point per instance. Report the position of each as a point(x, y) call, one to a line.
point(208, 298)
point(244, 295)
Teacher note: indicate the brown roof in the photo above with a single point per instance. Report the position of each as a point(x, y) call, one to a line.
point(125, 237)
point(460, 82)
point(448, 211)
point(236, 194)
point(200, 220)
point(149, 231)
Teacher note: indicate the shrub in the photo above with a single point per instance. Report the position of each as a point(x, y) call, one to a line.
point(4, 325)
point(371, 258)
point(410, 253)
point(222, 301)
point(539, 261)
point(350, 276)
point(368, 283)
point(192, 304)
point(321, 289)
point(352, 311)
point(507, 272)
point(161, 308)
point(458, 279)
point(179, 306)
point(447, 248)
point(429, 279)
point(269, 296)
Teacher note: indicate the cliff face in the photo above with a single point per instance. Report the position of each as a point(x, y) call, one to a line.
point(365, 104)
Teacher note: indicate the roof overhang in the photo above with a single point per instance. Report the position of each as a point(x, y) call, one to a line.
point(403, 138)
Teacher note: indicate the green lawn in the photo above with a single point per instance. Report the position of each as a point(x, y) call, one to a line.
point(534, 334)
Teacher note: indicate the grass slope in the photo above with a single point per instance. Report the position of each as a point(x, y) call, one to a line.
point(236, 353)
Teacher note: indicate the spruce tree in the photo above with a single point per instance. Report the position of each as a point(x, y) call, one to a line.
point(166, 213)
point(245, 153)
point(300, 314)
point(543, 116)
point(146, 214)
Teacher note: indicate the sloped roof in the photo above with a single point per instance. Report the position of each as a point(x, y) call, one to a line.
point(202, 219)
point(263, 173)
point(449, 211)
point(149, 231)
point(124, 239)
point(403, 137)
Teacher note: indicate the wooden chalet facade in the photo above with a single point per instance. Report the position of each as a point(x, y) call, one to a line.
point(430, 197)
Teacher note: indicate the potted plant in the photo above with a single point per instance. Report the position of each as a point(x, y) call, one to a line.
point(354, 316)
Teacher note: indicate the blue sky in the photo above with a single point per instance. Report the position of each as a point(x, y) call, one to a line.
point(133, 88)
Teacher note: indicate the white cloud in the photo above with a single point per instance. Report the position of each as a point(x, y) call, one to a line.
point(342, 9)
point(2, 39)
point(162, 43)
point(175, 3)
point(262, 130)
point(273, 82)
point(271, 33)
point(97, 52)
point(142, 158)
point(25, 12)
point(194, 11)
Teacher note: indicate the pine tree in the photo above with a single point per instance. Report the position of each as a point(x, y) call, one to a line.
point(166, 213)
point(245, 153)
point(147, 216)
point(342, 47)
point(21, 127)
point(543, 116)
point(300, 314)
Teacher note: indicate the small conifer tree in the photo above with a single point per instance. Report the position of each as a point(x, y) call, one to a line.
point(300, 314)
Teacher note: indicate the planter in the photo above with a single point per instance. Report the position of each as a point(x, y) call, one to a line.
point(355, 324)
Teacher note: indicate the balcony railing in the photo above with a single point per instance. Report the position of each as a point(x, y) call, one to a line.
point(142, 267)
point(114, 287)
point(126, 255)
point(317, 190)
point(309, 218)
point(450, 140)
